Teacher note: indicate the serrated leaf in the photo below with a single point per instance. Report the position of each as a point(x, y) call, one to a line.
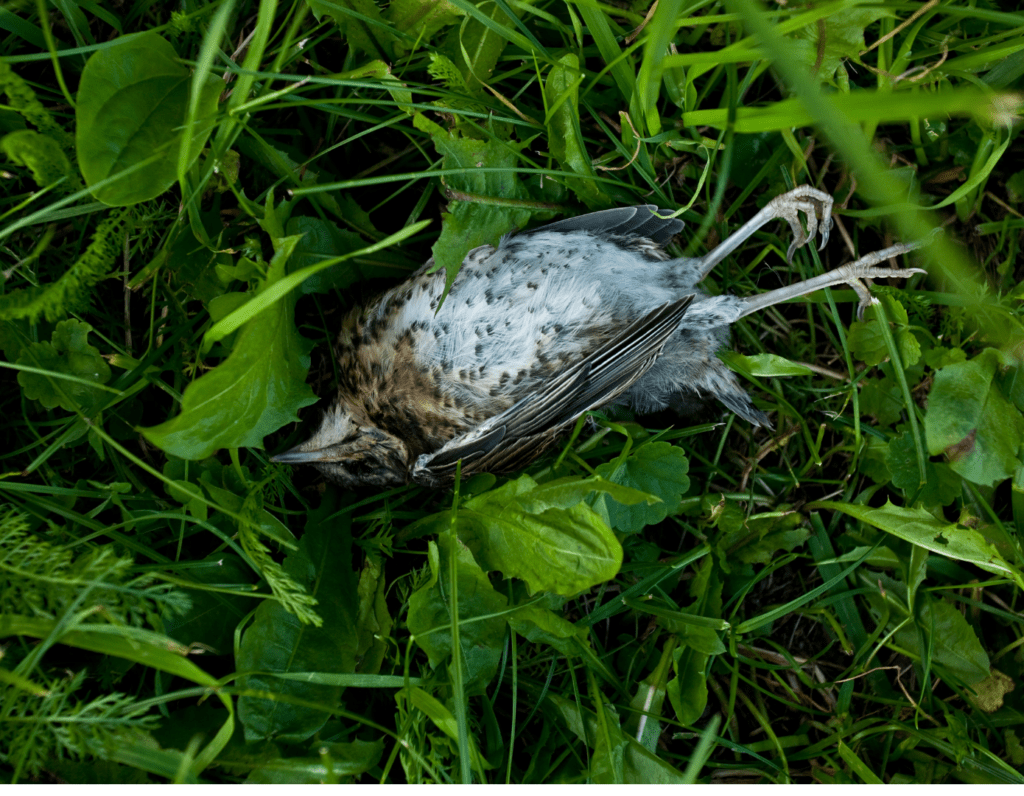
point(68, 352)
point(972, 422)
point(447, 73)
point(867, 342)
point(133, 97)
point(562, 550)
point(947, 539)
point(373, 39)
point(910, 348)
point(471, 219)
point(658, 469)
point(252, 393)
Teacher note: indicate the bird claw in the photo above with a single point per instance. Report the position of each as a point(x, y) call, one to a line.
point(812, 203)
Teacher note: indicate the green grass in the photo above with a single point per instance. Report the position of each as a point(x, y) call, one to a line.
point(835, 600)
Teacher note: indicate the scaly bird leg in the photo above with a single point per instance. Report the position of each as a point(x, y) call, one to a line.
point(850, 274)
point(803, 199)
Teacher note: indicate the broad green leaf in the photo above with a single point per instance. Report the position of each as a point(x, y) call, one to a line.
point(942, 486)
point(947, 638)
point(563, 550)
point(331, 761)
point(212, 618)
point(644, 722)
point(919, 527)
point(774, 540)
point(373, 620)
point(699, 637)
point(940, 356)
point(543, 626)
point(564, 493)
point(70, 354)
point(132, 102)
point(423, 18)
point(882, 399)
point(688, 690)
point(252, 393)
point(277, 641)
point(658, 469)
point(637, 765)
point(972, 422)
point(482, 206)
point(763, 365)
point(825, 45)
point(430, 616)
point(565, 141)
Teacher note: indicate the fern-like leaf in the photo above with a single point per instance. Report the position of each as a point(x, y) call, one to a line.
point(72, 290)
point(42, 580)
point(22, 98)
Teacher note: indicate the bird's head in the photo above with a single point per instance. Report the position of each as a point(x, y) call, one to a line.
point(351, 452)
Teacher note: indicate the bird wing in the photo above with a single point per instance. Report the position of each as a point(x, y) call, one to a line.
point(512, 439)
point(640, 221)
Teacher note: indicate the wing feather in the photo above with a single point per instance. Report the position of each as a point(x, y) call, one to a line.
point(639, 221)
point(513, 438)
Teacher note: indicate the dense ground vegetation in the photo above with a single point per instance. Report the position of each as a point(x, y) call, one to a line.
point(195, 193)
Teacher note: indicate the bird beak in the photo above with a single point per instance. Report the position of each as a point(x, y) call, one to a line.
point(296, 456)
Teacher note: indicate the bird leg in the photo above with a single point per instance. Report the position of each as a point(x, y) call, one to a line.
point(803, 199)
point(851, 274)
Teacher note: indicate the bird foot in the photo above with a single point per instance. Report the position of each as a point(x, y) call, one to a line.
point(813, 204)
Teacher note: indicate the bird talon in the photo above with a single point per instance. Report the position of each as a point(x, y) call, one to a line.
point(816, 207)
point(825, 230)
point(862, 305)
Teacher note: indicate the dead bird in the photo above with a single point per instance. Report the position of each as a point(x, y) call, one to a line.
point(555, 321)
